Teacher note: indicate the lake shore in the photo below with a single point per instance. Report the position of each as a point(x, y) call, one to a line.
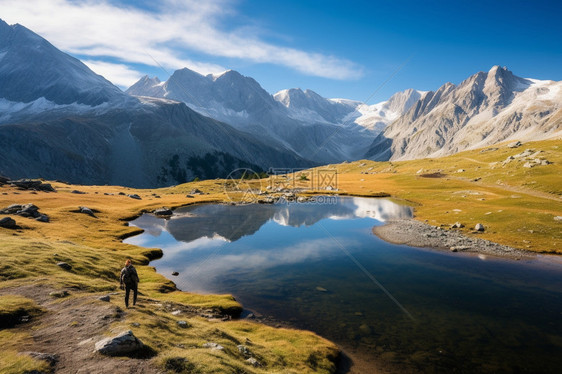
point(419, 234)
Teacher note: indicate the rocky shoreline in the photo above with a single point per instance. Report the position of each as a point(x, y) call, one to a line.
point(419, 234)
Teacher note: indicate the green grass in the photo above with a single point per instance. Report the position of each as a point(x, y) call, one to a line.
point(13, 307)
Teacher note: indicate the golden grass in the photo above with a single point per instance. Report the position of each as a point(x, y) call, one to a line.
point(94, 249)
point(515, 204)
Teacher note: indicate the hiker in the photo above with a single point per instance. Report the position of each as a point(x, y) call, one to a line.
point(129, 281)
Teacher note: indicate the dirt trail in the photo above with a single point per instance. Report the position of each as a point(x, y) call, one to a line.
point(70, 328)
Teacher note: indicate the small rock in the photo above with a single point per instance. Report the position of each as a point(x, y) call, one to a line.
point(213, 346)
point(135, 324)
point(183, 324)
point(42, 218)
point(196, 191)
point(51, 359)
point(514, 144)
point(122, 344)
point(321, 289)
point(244, 350)
point(135, 196)
point(59, 294)
point(122, 193)
point(78, 192)
point(8, 223)
point(86, 210)
point(64, 265)
point(104, 298)
point(175, 273)
point(252, 361)
point(457, 225)
point(479, 227)
point(558, 218)
point(528, 164)
point(460, 171)
point(453, 249)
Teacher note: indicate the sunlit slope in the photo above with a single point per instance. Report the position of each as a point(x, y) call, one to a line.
point(518, 205)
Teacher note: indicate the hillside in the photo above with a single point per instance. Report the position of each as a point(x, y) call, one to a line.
point(484, 109)
point(60, 301)
point(519, 206)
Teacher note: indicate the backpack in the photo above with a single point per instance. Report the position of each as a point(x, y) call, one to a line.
point(129, 275)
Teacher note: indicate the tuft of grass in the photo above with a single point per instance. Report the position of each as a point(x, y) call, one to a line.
point(14, 307)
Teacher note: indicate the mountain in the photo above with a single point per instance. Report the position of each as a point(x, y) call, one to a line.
point(316, 128)
point(60, 120)
point(487, 108)
point(36, 76)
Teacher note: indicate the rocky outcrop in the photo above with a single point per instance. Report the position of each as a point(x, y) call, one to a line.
point(487, 108)
point(28, 184)
point(26, 210)
point(121, 345)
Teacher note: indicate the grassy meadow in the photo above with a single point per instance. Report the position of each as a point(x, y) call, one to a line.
point(517, 205)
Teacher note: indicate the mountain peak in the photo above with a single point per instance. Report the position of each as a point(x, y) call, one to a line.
point(32, 68)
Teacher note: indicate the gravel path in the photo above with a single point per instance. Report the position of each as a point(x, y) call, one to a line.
point(418, 234)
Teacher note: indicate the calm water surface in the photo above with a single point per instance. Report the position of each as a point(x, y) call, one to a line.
point(299, 263)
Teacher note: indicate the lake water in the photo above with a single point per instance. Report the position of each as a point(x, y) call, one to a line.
point(319, 266)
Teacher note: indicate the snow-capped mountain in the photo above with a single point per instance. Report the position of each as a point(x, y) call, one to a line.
point(60, 120)
point(487, 108)
point(36, 77)
point(316, 128)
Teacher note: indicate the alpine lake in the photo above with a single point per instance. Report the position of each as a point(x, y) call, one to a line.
point(318, 266)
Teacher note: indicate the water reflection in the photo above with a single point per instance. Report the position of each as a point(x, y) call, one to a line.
point(470, 315)
point(234, 222)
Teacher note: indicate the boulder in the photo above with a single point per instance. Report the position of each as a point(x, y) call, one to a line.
point(43, 218)
point(558, 218)
point(12, 209)
point(183, 324)
point(8, 223)
point(175, 273)
point(104, 298)
point(134, 196)
point(123, 344)
point(29, 210)
point(86, 210)
point(46, 187)
point(78, 192)
point(163, 211)
point(515, 144)
point(457, 225)
point(479, 227)
point(3, 180)
point(64, 265)
point(196, 191)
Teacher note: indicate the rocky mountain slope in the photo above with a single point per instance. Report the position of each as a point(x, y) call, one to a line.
point(316, 128)
point(487, 108)
point(59, 120)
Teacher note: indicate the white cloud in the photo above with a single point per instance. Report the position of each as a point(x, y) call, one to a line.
point(162, 37)
point(119, 74)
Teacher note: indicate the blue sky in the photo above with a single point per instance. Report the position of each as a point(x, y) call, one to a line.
point(337, 48)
